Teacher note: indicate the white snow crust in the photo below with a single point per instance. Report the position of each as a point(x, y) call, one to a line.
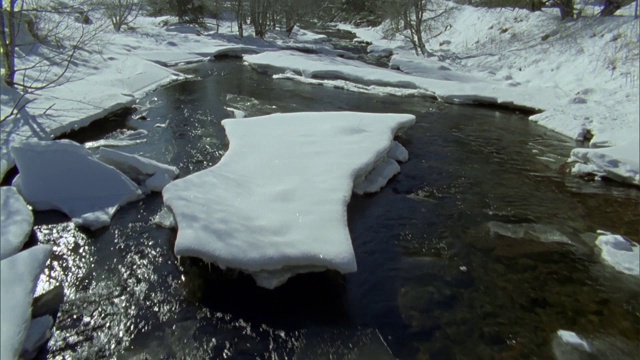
point(19, 275)
point(61, 175)
point(275, 205)
point(620, 253)
point(152, 175)
point(16, 221)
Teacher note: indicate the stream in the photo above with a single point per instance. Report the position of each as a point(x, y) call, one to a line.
point(481, 248)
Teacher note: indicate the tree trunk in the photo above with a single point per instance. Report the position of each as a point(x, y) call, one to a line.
point(566, 9)
point(610, 7)
point(8, 39)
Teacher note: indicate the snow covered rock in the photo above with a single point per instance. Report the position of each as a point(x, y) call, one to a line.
point(151, 175)
point(620, 163)
point(275, 205)
point(16, 220)
point(19, 275)
point(620, 253)
point(61, 175)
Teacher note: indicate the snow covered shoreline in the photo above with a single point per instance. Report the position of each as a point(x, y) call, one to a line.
point(582, 74)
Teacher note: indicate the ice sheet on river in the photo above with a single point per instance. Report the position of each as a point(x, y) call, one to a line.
point(275, 205)
point(16, 221)
point(61, 175)
point(19, 274)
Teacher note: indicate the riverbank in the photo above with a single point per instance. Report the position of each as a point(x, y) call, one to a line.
point(583, 74)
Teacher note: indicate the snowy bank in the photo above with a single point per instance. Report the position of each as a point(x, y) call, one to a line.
point(323, 67)
point(586, 70)
point(16, 222)
point(62, 175)
point(19, 273)
point(275, 205)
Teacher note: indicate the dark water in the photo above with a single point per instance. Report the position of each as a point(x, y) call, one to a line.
point(451, 265)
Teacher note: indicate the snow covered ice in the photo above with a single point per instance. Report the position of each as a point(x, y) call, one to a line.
point(620, 253)
point(621, 163)
point(275, 205)
point(61, 175)
point(16, 222)
point(152, 175)
point(19, 274)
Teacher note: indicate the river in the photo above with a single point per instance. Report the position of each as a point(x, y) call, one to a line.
point(481, 248)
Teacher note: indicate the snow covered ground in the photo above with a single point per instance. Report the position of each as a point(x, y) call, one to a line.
point(584, 74)
point(268, 207)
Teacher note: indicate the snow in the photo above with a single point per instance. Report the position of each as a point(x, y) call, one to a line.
point(573, 339)
point(275, 205)
point(61, 175)
point(621, 163)
point(152, 175)
point(16, 220)
point(321, 67)
point(620, 253)
point(588, 68)
point(19, 274)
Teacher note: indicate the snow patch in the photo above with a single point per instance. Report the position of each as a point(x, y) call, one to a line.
point(275, 205)
point(61, 175)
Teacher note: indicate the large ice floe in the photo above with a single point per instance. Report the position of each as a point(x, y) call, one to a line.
point(62, 175)
point(19, 274)
point(16, 222)
point(275, 205)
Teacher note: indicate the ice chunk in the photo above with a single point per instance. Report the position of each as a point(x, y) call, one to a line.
point(152, 175)
point(276, 202)
point(620, 163)
point(165, 219)
point(19, 275)
point(620, 253)
point(61, 175)
point(39, 332)
point(16, 220)
point(571, 338)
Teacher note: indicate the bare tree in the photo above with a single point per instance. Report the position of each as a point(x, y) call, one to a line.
point(413, 19)
point(39, 42)
point(240, 16)
point(121, 12)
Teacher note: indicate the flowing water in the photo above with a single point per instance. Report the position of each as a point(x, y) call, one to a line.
point(481, 248)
